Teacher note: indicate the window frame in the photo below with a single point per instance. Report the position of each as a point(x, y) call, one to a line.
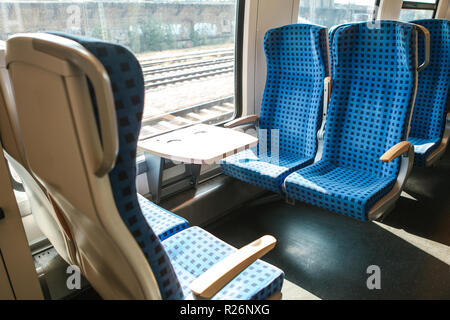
point(238, 58)
point(412, 5)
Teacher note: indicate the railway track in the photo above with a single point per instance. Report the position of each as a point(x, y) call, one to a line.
point(159, 72)
point(163, 71)
point(183, 66)
point(209, 112)
point(187, 76)
point(148, 62)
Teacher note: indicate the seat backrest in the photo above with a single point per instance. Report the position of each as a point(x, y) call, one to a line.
point(297, 64)
point(41, 208)
point(374, 82)
point(331, 33)
point(433, 91)
point(80, 104)
point(8, 123)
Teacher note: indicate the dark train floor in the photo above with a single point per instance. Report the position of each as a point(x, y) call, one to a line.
point(328, 254)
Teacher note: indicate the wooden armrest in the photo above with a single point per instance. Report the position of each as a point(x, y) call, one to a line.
point(214, 279)
point(397, 150)
point(240, 121)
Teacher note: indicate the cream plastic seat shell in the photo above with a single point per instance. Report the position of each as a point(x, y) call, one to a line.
point(42, 210)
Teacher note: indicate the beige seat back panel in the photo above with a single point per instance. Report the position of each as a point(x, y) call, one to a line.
point(41, 208)
point(8, 122)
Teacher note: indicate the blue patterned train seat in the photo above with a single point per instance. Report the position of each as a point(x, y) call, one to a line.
point(433, 94)
point(185, 252)
point(297, 63)
point(259, 281)
point(373, 76)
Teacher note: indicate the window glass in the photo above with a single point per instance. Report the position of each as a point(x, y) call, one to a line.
point(333, 12)
point(186, 49)
point(414, 14)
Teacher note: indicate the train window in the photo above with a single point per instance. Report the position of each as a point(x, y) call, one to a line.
point(413, 14)
point(333, 12)
point(186, 49)
point(423, 9)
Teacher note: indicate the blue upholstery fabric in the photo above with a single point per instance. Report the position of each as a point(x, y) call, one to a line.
point(164, 223)
point(339, 189)
point(433, 91)
point(262, 170)
point(127, 84)
point(331, 33)
point(422, 149)
point(297, 63)
point(144, 219)
point(193, 251)
point(371, 101)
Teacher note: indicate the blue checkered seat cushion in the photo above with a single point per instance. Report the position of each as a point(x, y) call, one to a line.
point(373, 72)
point(423, 147)
point(193, 251)
point(433, 91)
point(148, 223)
point(262, 170)
point(297, 63)
point(164, 223)
point(339, 189)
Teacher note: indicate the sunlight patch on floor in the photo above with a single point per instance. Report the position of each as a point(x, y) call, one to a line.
point(407, 196)
point(438, 250)
point(291, 291)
